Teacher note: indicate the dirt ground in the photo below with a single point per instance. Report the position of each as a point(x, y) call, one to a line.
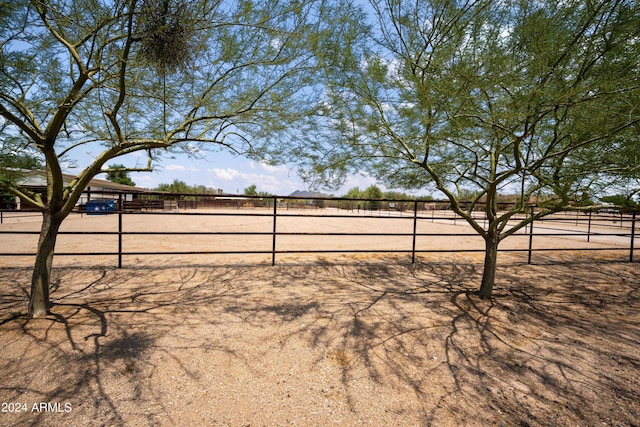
point(320, 340)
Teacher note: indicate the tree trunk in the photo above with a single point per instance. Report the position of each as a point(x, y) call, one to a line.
point(490, 264)
point(39, 304)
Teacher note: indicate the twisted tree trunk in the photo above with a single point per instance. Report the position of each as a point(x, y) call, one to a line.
point(490, 264)
point(39, 303)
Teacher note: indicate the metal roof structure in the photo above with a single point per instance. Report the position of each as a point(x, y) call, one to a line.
point(37, 179)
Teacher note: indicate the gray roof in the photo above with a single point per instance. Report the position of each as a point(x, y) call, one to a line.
point(36, 179)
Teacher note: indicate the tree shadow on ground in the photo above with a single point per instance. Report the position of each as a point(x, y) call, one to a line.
point(104, 327)
point(556, 346)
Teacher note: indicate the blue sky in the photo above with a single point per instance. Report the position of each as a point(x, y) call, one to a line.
point(222, 170)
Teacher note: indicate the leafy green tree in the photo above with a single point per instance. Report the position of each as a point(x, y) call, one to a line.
point(17, 158)
point(120, 77)
point(624, 201)
point(251, 190)
point(354, 193)
point(177, 186)
point(372, 192)
point(119, 174)
point(397, 195)
point(474, 98)
point(181, 187)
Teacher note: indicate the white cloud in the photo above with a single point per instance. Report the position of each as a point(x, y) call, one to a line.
point(361, 180)
point(175, 168)
point(267, 167)
point(233, 180)
point(227, 174)
point(274, 169)
point(145, 181)
point(276, 43)
point(181, 168)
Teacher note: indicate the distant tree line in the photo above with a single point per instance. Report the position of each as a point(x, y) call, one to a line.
point(252, 190)
point(178, 186)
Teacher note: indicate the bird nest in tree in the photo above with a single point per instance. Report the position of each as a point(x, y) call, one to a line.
point(167, 30)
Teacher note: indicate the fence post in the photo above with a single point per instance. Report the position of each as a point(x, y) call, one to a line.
point(415, 223)
point(633, 235)
point(275, 215)
point(589, 227)
point(120, 230)
point(530, 238)
point(621, 221)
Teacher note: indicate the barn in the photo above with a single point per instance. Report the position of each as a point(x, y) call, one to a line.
point(97, 189)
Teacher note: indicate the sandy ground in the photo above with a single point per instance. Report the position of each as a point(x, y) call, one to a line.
point(321, 339)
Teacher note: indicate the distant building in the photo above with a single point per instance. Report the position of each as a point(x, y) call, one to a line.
point(309, 194)
point(97, 189)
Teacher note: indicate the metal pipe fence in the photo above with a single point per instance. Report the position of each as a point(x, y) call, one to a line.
point(275, 210)
point(10, 214)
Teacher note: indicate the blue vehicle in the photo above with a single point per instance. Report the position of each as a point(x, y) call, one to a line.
point(100, 206)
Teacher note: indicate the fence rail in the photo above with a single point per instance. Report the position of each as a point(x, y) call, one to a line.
point(571, 224)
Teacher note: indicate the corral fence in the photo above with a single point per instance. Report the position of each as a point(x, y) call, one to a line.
point(575, 224)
